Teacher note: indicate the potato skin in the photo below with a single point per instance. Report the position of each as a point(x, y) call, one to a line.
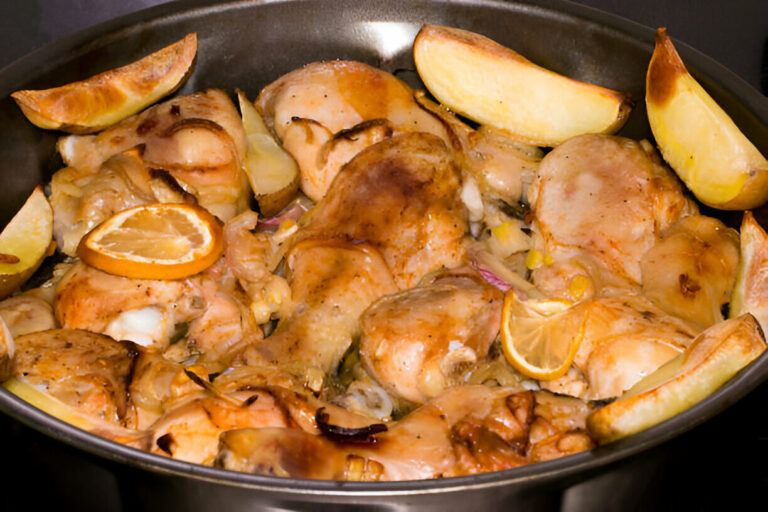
point(272, 203)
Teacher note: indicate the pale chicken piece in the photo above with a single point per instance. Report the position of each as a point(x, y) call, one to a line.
point(626, 337)
point(401, 196)
point(466, 430)
point(25, 313)
point(606, 199)
point(332, 282)
point(690, 273)
point(87, 371)
point(420, 341)
point(156, 384)
point(252, 256)
point(326, 112)
point(159, 386)
point(82, 199)
point(225, 328)
point(142, 310)
point(190, 148)
point(205, 315)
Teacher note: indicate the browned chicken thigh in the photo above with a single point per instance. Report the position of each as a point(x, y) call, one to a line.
point(402, 197)
point(425, 339)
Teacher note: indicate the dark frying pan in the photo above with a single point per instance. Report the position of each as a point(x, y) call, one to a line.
point(247, 44)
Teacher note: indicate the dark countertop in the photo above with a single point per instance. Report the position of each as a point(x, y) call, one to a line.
point(718, 464)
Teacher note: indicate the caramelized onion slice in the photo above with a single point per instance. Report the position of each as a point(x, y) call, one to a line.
point(362, 435)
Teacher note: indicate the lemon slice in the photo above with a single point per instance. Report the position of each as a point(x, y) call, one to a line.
point(538, 335)
point(154, 241)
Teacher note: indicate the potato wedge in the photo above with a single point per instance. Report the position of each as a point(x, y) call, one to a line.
point(102, 100)
point(25, 242)
point(7, 348)
point(272, 172)
point(698, 139)
point(750, 293)
point(494, 85)
point(715, 356)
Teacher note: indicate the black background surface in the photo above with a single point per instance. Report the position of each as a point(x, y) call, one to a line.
point(719, 464)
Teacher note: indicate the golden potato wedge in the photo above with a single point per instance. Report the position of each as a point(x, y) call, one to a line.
point(25, 242)
point(698, 139)
point(494, 85)
point(102, 100)
point(750, 293)
point(715, 356)
point(272, 172)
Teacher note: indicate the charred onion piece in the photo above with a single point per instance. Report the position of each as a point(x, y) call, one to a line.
point(171, 182)
point(192, 122)
point(210, 388)
point(362, 435)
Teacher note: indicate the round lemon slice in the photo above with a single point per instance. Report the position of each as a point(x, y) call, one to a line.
point(154, 241)
point(540, 336)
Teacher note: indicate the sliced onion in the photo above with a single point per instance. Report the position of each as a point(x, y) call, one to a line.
point(362, 435)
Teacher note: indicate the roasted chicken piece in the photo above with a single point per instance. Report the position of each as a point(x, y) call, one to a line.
point(143, 311)
point(691, 271)
point(425, 339)
point(327, 112)
point(191, 431)
point(626, 337)
point(332, 282)
point(466, 430)
point(205, 315)
point(402, 197)
point(87, 371)
point(193, 421)
point(190, 148)
point(26, 313)
point(606, 200)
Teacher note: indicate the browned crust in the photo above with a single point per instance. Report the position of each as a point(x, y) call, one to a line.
point(465, 37)
point(69, 107)
point(663, 71)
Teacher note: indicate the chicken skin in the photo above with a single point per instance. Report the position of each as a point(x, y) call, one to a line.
point(188, 149)
point(605, 200)
point(422, 340)
point(402, 197)
point(327, 112)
